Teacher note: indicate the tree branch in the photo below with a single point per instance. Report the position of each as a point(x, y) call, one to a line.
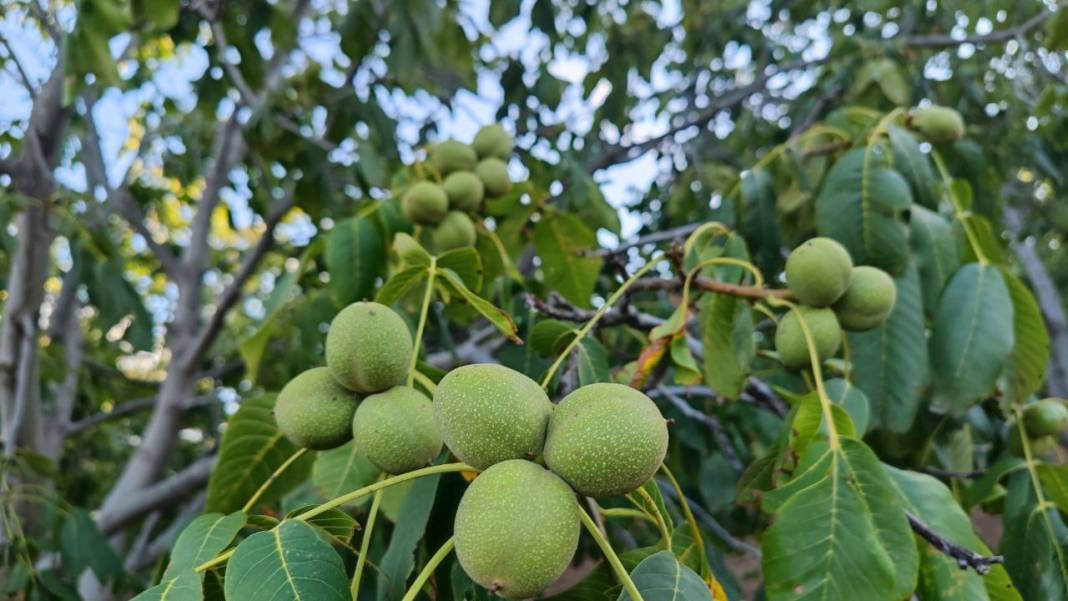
point(118, 199)
point(26, 81)
point(964, 557)
point(738, 546)
point(234, 291)
point(148, 499)
point(995, 37)
point(628, 152)
point(669, 235)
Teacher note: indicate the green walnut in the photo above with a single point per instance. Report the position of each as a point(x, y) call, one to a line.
point(425, 203)
point(516, 529)
point(368, 347)
point(606, 439)
point(455, 231)
point(790, 338)
point(1039, 445)
point(494, 175)
point(937, 123)
point(488, 413)
point(314, 412)
point(395, 429)
point(450, 155)
point(867, 301)
point(1048, 417)
point(818, 271)
point(464, 190)
point(493, 141)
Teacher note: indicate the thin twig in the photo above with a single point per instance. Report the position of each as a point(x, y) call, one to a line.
point(710, 522)
point(965, 558)
point(995, 37)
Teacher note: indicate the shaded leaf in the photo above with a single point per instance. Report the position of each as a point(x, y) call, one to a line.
point(561, 241)
point(1030, 351)
point(859, 204)
point(496, 316)
point(972, 337)
point(343, 470)
point(204, 538)
point(889, 363)
point(355, 255)
point(727, 337)
point(290, 563)
point(183, 586)
point(252, 449)
point(660, 576)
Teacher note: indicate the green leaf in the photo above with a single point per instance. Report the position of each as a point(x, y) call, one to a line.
point(846, 395)
point(496, 316)
point(184, 586)
point(503, 11)
point(972, 337)
point(1054, 479)
point(252, 449)
point(467, 264)
point(399, 560)
point(1035, 542)
point(204, 538)
point(859, 205)
point(562, 241)
point(661, 577)
point(839, 531)
point(163, 14)
point(758, 219)
point(934, 246)
point(808, 422)
point(83, 545)
point(355, 255)
point(401, 283)
point(933, 503)
point(889, 363)
point(550, 336)
point(727, 336)
point(289, 563)
point(914, 166)
point(1030, 352)
point(334, 523)
point(343, 470)
point(253, 347)
point(592, 362)
point(410, 251)
point(687, 372)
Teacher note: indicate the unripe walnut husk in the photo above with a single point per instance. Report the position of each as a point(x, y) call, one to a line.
point(867, 301)
point(606, 439)
point(493, 141)
point(425, 203)
point(455, 231)
point(790, 338)
point(818, 271)
point(313, 411)
point(368, 347)
point(464, 190)
point(1047, 417)
point(451, 155)
point(516, 529)
point(494, 175)
point(939, 124)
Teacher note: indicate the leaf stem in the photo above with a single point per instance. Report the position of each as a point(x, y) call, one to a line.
point(817, 373)
point(352, 496)
point(597, 317)
point(610, 555)
point(661, 523)
point(365, 543)
point(391, 481)
point(431, 271)
point(428, 569)
point(426, 382)
point(685, 505)
point(1043, 505)
point(251, 503)
point(959, 213)
point(623, 512)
